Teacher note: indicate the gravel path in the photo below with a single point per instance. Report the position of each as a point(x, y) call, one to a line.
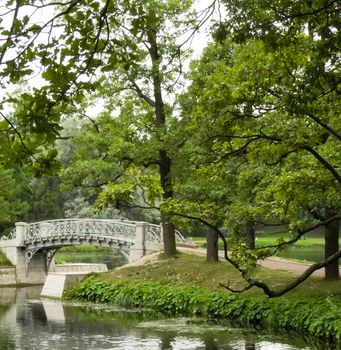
point(273, 263)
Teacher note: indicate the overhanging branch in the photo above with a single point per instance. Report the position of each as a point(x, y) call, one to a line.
point(19, 135)
point(300, 234)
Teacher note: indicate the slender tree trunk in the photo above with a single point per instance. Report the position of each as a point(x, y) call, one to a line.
point(250, 235)
point(331, 246)
point(166, 341)
point(212, 246)
point(250, 345)
point(164, 160)
point(211, 343)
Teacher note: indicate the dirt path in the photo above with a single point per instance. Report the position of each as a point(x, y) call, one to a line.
point(272, 263)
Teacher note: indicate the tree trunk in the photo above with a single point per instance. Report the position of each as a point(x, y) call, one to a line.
point(250, 345)
point(169, 245)
point(164, 160)
point(211, 343)
point(212, 246)
point(331, 246)
point(250, 235)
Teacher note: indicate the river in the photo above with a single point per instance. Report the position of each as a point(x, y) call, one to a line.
point(112, 258)
point(28, 323)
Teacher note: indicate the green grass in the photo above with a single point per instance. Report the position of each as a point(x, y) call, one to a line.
point(84, 248)
point(273, 238)
point(80, 253)
point(3, 260)
point(307, 316)
point(192, 270)
point(310, 248)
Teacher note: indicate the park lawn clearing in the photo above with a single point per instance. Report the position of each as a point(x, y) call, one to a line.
point(192, 270)
point(308, 249)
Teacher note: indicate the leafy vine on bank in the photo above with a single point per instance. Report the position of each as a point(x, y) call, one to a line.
point(312, 316)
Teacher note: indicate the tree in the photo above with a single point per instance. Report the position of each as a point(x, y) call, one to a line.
point(136, 42)
point(272, 100)
point(132, 43)
point(26, 151)
point(88, 154)
point(13, 193)
point(316, 85)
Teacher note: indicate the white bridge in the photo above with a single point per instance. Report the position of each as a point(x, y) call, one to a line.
point(31, 247)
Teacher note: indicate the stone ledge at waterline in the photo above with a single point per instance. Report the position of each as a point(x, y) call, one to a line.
point(7, 276)
point(79, 267)
point(56, 282)
point(8, 273)
point(67, 276)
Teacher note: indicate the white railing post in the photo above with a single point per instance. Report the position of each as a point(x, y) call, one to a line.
point(161, 232)
point(20, 232)
point(137, 250)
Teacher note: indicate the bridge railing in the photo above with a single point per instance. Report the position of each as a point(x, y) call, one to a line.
point(104, 227)
point(80, 227)
point(154, 233)
point(10, 235)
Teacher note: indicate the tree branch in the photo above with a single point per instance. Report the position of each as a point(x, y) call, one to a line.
point(299, 235)
point(141, 94)
point(325, 126)
point(326, 164)
point(308, 272)
point(19, 135)
point(259, 284)
point(6, 45)
point(280, 158)
point(92, 121)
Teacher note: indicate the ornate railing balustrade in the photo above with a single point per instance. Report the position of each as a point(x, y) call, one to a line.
point(67, 227)
point(101, 227)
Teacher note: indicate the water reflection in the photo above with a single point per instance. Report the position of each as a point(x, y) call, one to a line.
point(111, 258)
point(28, 323)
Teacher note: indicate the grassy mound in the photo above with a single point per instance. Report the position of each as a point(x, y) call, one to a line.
point(192, 270)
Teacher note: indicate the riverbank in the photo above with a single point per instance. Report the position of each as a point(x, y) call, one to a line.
point(188, 286)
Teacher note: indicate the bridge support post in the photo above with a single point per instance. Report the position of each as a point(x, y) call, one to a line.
point(161, 233)
point(20, 263)
point(12, 248)
point(20, 231)
point(36, 272)
point(137, 250)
